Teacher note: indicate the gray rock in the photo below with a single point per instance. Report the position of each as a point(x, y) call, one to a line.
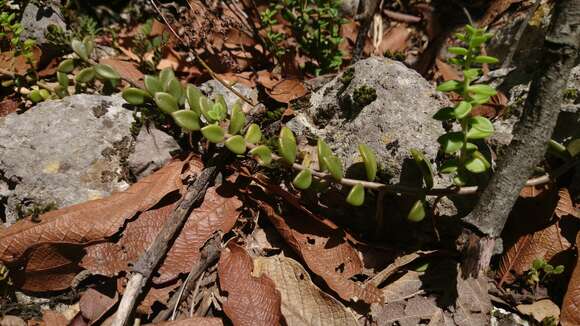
point(35, 20)
point(212, 87)
point(400, 118)
point(65, 152)
point(152, 150)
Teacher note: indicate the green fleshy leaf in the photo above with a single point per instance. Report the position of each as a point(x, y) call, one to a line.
point(477, 163)
point(471, 74)
point(187, 119)
point(44, 93)
point(458, 50)
point(61, 91)
point(165, 75)
point(80, 49)
point(356, 196)
point(224, 106)
point(448, 86)
point(173, 87)
point(482, 89)
point(205, 106)
point(219, 112)
point(106, 72)
point(253, 134)
point(262, 154)
point(462, 110)
point(476, 41)
point(449, 167)
point(558, 269)
point(193, 95)
point(369, 160)
point(486, 59)
point(135, 96)
point(334, 166)
point(152, 85)
point(62, 79)
point(479, 128)
point(461, 178)
point(417, 212)
point(35, 96)
point(538, 264)
point(573, 147)
point(322, 150)
point(303, 179)
point(237, 119)
point(451, 142)
point(478, 99)
point(424, 167)
point(213, 133)
point(166, 102)
point(89, 43)
point(287, 145)
point(86, 75)
point(66, 66)
point(471, 147)
point(236, 144)
point(445, 114)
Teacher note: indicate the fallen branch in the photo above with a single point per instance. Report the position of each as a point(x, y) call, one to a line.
point(150, 259)
point(530, 140)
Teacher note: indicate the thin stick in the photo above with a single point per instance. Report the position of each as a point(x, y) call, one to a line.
point(150, 259)
point(210, 253)
point(201, 61)
point(516, 42)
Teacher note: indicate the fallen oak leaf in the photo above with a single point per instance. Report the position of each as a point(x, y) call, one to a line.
point(251, 300)
point(326, 253)
point(219, 211)
point(571, 305)
point(197, 321)
point(76, 224)
point(287, 90)
point(303, 303)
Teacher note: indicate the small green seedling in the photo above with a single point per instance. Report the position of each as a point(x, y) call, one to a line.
point(540, 271)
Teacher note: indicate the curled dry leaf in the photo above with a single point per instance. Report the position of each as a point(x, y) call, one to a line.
point(545, 244)
point(303, 303)
point(49, 251)
point(126, 69)
point(326, 253)
point(394, 40)
point(219, 211)
point(287, 90)
point(447, 71)
point(571, 305)
point(565, 205)
point(94, 304)
point(197, 321)
point(250, 300)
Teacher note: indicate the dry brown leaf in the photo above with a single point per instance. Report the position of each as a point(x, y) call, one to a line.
point(219, 211)
point(126, 69)
point(303, 303)
point(543, 244)
point(446, 70)
point(571, 306)
point(496, 8)
point(250, 300)
point(51, 317)
point(414, 300)
point(7, 106)
point(395, 39)
point(77, 224)
point(287, 90)
point(565, 205)
point(197, 321)
point(48, 252)
point(94, 304)
point(326, 253)
point(540, 309)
